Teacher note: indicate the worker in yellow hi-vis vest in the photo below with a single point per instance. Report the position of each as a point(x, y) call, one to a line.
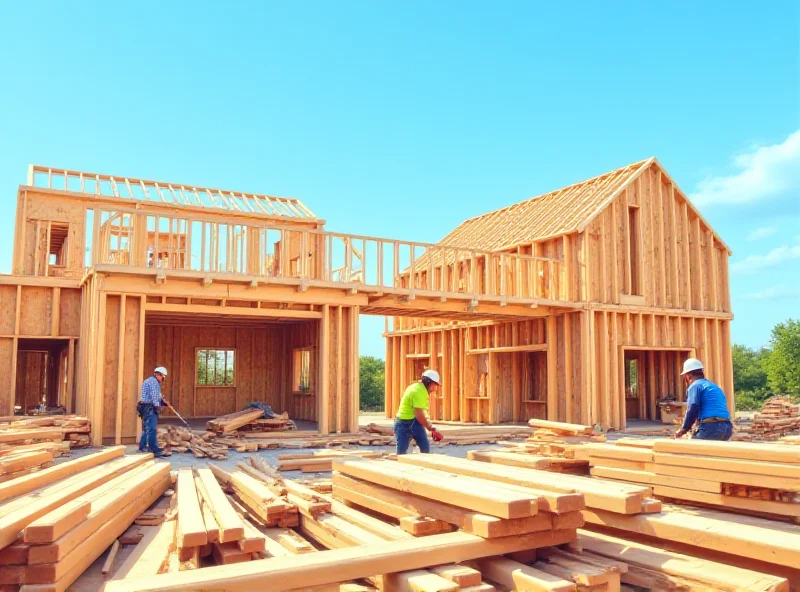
point(411, 420)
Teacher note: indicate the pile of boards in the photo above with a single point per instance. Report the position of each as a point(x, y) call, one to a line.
point(216, 447)
point(778, 417)
point(462, 434)
point(74, 429)
point(552, 446)
point(322, 461)
point(754, 477)
point(56, 522)
point(393, 526)
point(250, 420)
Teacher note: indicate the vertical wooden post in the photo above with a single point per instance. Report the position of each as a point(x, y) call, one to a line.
point(568, 359)
point(587, 368)
point(120, 366)
point(55, 316)
point(140, 364)
point(552, 378)
point(341, 393)
point(70, 378)
point(96, 395)
point(14, 352)
point(323, 390)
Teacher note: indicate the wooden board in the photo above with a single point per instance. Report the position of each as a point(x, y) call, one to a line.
point(467, 492)
point(614, 497)
point(340, 565)
point(191, 528)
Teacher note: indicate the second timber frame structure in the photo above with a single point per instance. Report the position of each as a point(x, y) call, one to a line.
point(634, 279)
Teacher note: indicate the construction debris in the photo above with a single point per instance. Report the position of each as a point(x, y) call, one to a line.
point(778, 417)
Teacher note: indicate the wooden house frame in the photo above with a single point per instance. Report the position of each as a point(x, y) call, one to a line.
point(113, 276)
point(629, 280)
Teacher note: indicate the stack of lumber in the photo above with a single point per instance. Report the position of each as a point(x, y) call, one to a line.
point(216, 446)
point(56, 522)
point(75, 429)
point(553, 446)
point(621, 498)
point(250, 420)
point(540, 551)
point(738, 476)
point(463, 434)
point(262, 495)
point(322, 460)
point(795, 440)
point(778, 417)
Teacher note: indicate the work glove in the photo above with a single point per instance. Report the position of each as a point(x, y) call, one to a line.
point(437, 437)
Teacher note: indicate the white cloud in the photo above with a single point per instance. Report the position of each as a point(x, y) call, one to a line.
point(763, 232)
point(774, 257)
point(764, 172)
point(774, 293)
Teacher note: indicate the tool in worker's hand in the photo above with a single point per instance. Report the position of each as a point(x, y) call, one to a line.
point(436, 435)
point(179, 415)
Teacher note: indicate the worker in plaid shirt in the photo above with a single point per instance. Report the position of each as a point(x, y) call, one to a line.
point(149, 406)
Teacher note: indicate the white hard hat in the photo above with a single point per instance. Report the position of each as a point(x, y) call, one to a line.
point(692, 364)
point(161, 370)
point(431, 375)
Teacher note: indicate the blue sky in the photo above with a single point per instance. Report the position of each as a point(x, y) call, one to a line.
point(403, 119)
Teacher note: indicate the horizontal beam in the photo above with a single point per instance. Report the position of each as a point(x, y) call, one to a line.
point(538, 347)
point(233, 311)
point(39, 282)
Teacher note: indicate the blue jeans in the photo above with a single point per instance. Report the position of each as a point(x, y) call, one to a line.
point(404, 430)
point(149, 430)
point(720, 430)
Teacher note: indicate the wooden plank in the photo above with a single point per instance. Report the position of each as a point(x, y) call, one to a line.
point(231, 527)
point(680, 474)
point(518, 576)
point(191, 528)
point(729, 464)
point(150, 554)
point(140, 490)
point(417, 581)
point(467, 492)
point(397, 504)
point(729, 501)
point(764, 540)
point(112, 555)
point(614, 497)
point(718, 575)
point(734, 450)
point(312, 569)
point(647, 478)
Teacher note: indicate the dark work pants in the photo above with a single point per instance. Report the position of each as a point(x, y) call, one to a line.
point(149, 432)
point(405, 430)
point(720, 430)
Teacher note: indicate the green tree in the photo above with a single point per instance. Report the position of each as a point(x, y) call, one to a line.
point(371, 380)
point(748, 369)
point(783, 363)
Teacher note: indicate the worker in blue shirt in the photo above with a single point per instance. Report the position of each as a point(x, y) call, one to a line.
point(705, 403)
point(149, 407)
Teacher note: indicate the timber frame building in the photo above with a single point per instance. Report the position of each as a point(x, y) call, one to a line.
point(553, 308)
point(628, 281)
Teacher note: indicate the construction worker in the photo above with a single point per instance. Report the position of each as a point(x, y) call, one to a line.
point(149, 406)
point(705, 403)
point(411, 421)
